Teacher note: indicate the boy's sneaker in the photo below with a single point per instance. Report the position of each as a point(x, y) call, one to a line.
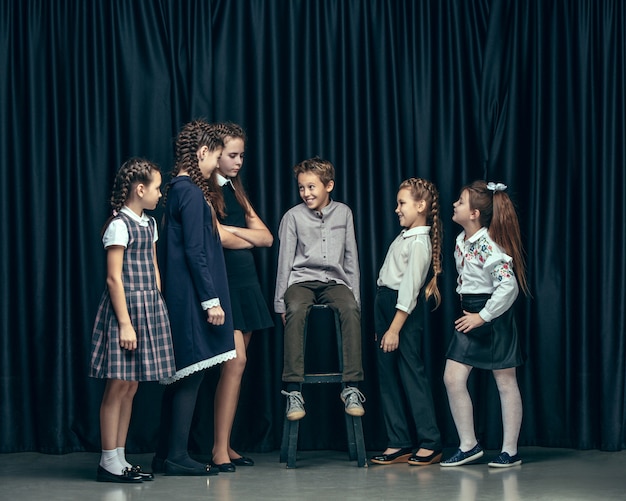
point(295, 405)
point(504, 460)
point(461, 457)
point(353, 398)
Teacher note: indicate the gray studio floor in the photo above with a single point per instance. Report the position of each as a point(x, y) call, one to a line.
point(547, 474)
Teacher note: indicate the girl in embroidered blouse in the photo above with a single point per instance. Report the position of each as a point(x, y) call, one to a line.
point(406, 397)
point(487, 252)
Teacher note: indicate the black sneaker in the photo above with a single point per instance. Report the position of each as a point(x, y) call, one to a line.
point(504, 460)
point(461, 457)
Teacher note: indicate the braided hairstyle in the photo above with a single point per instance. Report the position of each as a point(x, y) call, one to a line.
point(227, 131)
point(422, 189)
point(193, 136)
point(132, 172)
point(497, 214)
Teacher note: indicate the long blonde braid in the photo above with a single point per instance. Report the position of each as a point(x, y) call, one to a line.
point(422, 189)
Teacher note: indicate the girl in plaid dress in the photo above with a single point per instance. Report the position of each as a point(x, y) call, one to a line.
point(131, 338)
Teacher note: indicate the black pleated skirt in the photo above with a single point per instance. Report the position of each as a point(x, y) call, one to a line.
point(494, 345)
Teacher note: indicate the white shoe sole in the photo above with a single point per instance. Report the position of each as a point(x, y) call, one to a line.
point(476, 456)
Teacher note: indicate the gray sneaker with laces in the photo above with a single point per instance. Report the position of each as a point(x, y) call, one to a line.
point(295, 405)
point(353, 400)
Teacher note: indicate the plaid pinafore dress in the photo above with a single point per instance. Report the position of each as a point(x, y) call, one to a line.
point(153, 359)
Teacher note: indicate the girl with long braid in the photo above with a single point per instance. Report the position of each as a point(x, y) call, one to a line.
point(406, 397)
point(131, 338)
point(196, 292)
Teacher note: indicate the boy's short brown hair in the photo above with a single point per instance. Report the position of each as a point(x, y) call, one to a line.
point(318, 166)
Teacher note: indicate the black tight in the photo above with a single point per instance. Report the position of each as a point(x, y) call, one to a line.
point(179, 402)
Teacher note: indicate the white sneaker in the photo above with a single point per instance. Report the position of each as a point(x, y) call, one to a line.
point(353, 398)
point(295, 405)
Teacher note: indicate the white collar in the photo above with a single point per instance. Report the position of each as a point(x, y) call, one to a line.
point(143, 220)
point(221, 180)
point(418, 230)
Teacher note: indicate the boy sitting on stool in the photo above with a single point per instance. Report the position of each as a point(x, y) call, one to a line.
point(318, 263)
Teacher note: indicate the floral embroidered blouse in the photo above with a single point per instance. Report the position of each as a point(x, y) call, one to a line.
point(484, 268)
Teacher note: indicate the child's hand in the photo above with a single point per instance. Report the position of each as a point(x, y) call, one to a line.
point(216, 315)
point(468, 322)
point(128, 337)
point(390, 341)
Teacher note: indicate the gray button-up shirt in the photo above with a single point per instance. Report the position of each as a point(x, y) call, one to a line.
point(317, 246)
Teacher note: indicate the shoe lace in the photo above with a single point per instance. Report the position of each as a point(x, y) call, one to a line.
point(295, 398)
point(352, 395)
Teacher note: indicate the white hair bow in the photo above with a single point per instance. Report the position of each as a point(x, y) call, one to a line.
point(496, 186)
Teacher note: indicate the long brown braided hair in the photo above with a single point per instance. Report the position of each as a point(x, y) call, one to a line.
point(425, 190)
point(132, 172)
point(193, 136)
point(227, 131)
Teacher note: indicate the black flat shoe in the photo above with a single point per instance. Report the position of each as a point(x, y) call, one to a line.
point(178, 470)
point(242, 461)
point(433, 458)
point(224, 467)
point(401, 456)
point(127, 476)
point(145, 475)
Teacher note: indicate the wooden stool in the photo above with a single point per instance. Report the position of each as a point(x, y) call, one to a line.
point(354, 427)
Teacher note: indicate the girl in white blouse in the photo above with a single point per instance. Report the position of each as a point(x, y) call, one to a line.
point(486, 252)
point(406, 397)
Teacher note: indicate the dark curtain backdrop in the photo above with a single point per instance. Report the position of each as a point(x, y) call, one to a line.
point(529, 93)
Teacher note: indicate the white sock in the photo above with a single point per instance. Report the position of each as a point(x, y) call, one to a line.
point(110, 462)
point(121, 454)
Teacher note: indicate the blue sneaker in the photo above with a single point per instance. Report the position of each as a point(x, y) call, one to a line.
point(461, 457)
point(504, 460)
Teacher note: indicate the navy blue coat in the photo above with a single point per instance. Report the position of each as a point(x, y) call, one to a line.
point(194, 271)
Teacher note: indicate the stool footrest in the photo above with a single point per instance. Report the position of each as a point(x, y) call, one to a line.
point(331, 377)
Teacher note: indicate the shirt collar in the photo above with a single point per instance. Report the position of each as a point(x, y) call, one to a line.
point(418, 230)
point(324, 210)
point(221, 180)
point(480, 233)
point(142, 220)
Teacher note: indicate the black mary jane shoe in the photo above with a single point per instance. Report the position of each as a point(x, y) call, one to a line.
point(242, 461)
point(433, 458)
point(145, 475)
point(224, 467)
point(127, 476)
point(179, 470)
point(400, 456)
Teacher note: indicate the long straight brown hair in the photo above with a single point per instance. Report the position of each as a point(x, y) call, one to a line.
point(498, 215)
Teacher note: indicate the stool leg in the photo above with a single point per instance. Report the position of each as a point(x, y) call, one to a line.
point(350, 437)
point(360, 443)
point(294, 427)
point(356, 444)
point(289, 443)
point(284, 443)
